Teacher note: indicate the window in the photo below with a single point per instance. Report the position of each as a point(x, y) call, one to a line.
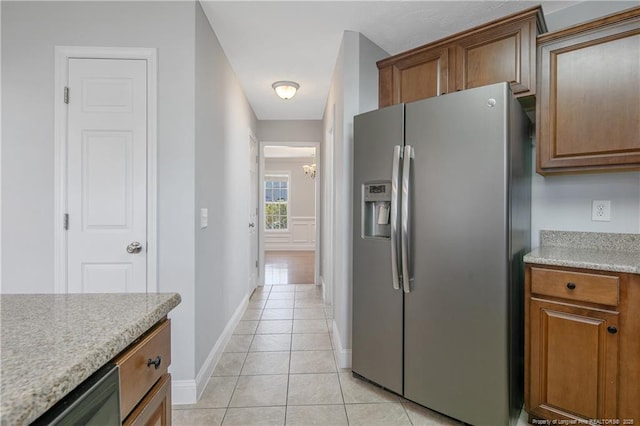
point(276, 202)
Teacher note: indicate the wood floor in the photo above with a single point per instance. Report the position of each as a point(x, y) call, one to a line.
point(289, 267)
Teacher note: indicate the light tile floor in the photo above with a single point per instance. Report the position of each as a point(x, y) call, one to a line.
point(279, 369)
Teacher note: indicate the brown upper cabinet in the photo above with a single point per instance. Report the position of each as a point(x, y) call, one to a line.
point(502, 50)
point(588, 115)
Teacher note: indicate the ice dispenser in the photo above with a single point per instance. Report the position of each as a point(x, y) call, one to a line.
point(376, 211)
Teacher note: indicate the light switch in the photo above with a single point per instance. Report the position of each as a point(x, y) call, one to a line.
point(204, 218)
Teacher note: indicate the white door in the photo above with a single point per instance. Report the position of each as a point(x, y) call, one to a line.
point(253, 214)
point(107, 176)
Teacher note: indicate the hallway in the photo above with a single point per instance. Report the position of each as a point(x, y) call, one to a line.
point(279, 369)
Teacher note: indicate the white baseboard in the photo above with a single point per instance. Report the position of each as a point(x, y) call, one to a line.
point(343, 356)
point(327, 295)
point(190, 391)
point(183, 392)
point(324, 289)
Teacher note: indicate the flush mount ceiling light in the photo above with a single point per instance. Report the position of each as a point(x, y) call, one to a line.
point(285, 89)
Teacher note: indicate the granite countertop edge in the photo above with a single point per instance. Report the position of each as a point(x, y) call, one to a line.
point(26, 407)
point(588, 250)
point(585, 259)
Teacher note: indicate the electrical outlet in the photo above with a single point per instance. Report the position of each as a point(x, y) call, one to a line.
point(601, 210)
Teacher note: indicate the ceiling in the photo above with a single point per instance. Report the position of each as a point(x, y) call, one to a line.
point(267, 41)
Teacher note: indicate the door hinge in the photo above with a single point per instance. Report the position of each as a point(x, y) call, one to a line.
point(65, 221)
point(257, 159)
point(256, 263)
point(66, 95)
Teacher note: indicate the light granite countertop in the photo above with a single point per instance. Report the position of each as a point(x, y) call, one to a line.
point(51, 343)
point(589, 250)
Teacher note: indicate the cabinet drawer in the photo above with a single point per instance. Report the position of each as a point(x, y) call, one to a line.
point(137, 373)
point(584, 287)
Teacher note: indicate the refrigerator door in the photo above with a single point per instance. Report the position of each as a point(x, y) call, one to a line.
point(377, 305)
point(456, 331)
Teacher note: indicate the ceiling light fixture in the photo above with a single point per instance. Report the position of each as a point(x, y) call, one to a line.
point(285, 89)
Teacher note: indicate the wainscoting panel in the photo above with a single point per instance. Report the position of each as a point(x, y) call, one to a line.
point(301, 235)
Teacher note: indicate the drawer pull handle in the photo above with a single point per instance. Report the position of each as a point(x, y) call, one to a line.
point(571, 286)
point(611, 329)
point(155, 362)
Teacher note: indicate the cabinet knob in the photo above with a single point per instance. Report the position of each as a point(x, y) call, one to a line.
point(571, 286)
point(611, 329)
point(155, 362)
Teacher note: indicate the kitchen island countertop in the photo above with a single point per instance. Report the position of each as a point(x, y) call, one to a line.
point(597, 251)
point(50, 343)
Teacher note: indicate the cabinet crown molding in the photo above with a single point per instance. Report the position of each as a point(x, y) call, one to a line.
point(617, 18)
point(516, 17)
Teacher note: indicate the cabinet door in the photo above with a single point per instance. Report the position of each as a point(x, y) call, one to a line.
point(419, 76)
point(155, 408)
point(505, 53)
point(589, 99)
point(573, 361)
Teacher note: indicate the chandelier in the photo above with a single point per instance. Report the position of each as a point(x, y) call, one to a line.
point(310, 170)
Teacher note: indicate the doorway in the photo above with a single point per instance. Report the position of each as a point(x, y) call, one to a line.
point(289, 208)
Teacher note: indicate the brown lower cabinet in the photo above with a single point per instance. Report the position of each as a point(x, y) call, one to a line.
point(582, 349)
point(155, 408)
point(145, 384)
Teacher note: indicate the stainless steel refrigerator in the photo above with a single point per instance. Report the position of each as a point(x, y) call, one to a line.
point(441, 221)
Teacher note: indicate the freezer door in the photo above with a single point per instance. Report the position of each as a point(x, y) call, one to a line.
point(377, 306)
point(456, 331)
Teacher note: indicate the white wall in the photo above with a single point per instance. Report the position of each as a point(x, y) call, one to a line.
point(223, 119)
point(354, 89)
point(30, 30)
point(203, 131)
point(290, 130)
point(564, 202)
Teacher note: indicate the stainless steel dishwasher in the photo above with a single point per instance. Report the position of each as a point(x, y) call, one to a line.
point(95, 402)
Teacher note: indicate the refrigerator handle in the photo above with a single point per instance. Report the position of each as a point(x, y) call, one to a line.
point(406, 256)
point(395, 176)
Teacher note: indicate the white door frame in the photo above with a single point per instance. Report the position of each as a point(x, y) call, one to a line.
point(328, 241)
point(62, 56)
point(316, 145)
point(254, 139)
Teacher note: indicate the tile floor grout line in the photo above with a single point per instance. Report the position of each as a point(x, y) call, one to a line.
point(246, 354)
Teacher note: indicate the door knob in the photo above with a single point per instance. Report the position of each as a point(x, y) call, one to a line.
point(134, 247)
point(251, 225)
